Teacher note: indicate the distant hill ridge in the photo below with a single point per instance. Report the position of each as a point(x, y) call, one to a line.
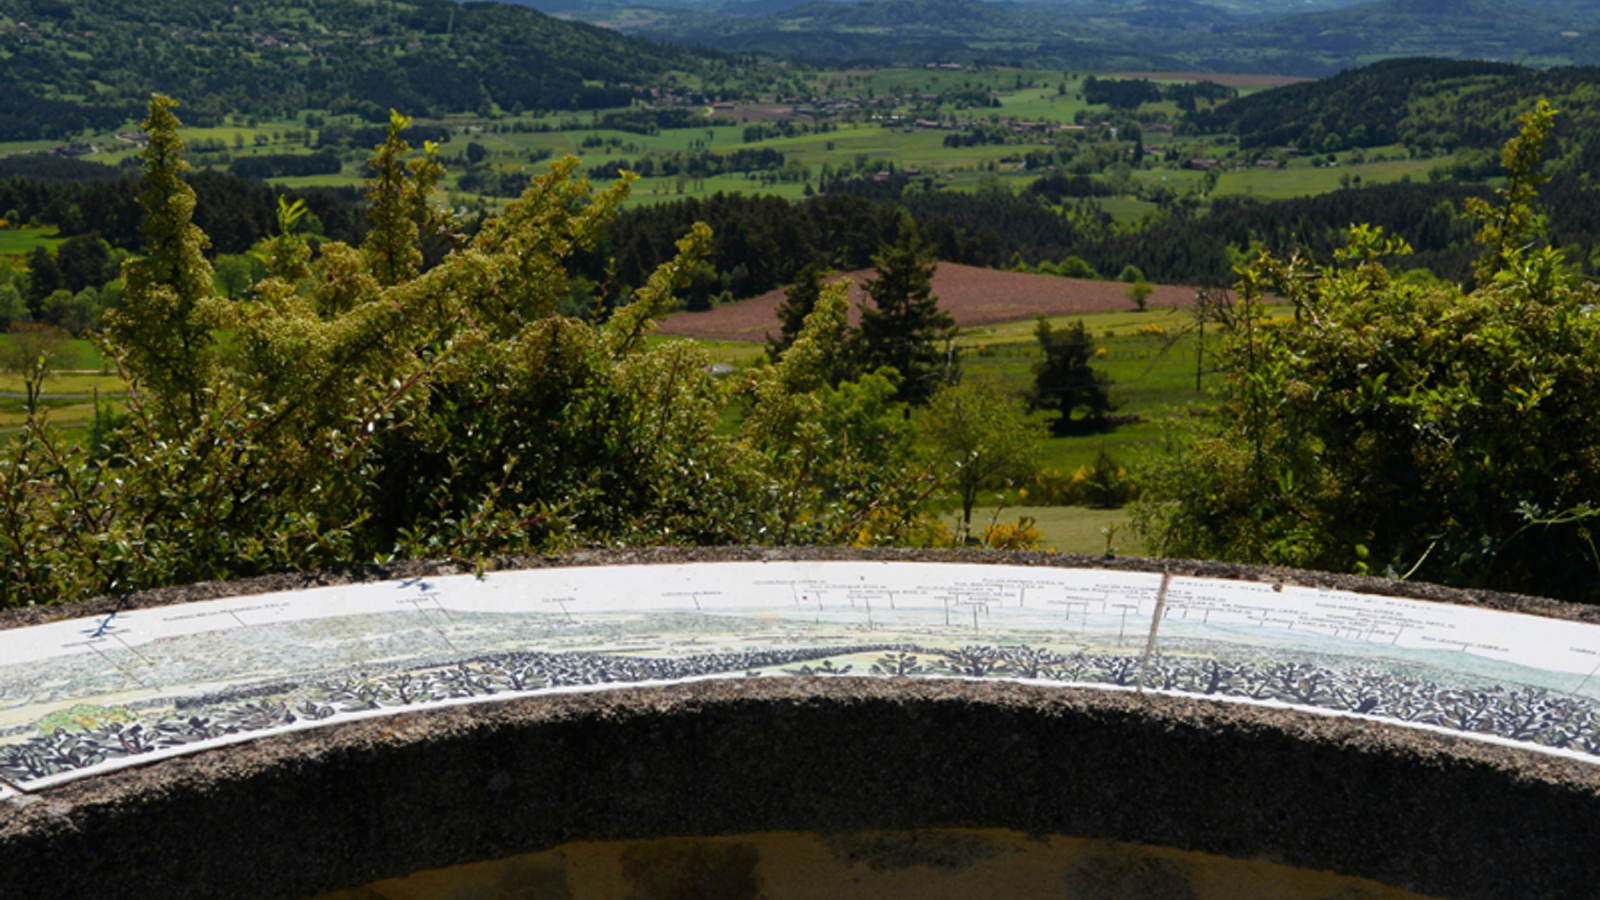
point(73, 64)
point(1219, 36)
point(1427, 103)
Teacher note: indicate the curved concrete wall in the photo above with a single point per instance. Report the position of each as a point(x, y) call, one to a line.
point(295, 815)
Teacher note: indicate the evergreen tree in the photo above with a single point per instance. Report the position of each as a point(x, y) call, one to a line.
point(904, 327)
point(1065, 382)
point(84, 262)
point(798, 302)
point(44, 279)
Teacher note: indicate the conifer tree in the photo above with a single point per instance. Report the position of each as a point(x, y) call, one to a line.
point(798, 302)
point(1065, 382)
point(905, 328)
point(44, 279)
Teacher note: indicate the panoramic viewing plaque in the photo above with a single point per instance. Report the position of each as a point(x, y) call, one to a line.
point(90, 695)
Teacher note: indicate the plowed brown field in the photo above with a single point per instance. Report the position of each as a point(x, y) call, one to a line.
point(972, 295)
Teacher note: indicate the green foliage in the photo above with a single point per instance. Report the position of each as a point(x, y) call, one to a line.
point(1105, 484)
point(1139, 36)
point(12, 307)
point(164, 327)
point(236, 273)
point(33, 353)
point(988, 436)
point(1510, 229)
point(1064, 381)
point(399, 204)
point(1427, 105)
point(904, 328)
point(798, 301)
point(1138, 293)
point(432, 56)
point(840, 458)
point(1074, 267)
point(1404, 427)
point(332, 418)
point(286, 256)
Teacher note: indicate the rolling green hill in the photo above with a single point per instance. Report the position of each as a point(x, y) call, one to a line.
point(66, 65)
point(1422, 103)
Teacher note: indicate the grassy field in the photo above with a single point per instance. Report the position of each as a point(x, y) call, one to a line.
point(864, 137)
point(1302, 179)
point(731, 353)
point(68, 395)
point(76, 355)
point(1153, 379)
point(1074, 529)
point(67, 384)
point(74, 417)
point(1126, 209)
point(21, 241)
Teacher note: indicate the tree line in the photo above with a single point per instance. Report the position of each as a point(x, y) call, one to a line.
point(702, 164)
point(764, 243)
point(235, 211)
point(1131, 93)
point(761, 243)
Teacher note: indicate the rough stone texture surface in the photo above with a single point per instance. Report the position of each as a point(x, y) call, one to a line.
point(295, 815)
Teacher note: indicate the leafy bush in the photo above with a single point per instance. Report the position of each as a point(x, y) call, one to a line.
point(1018, 535)
point(361, 406)
point(1104, 485)
point(1403, 427)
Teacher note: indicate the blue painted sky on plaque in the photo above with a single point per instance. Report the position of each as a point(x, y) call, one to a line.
point(85, 696)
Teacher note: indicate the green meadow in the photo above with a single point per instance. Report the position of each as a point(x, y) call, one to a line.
point(1303, 179)
point(865, 136)
point(1153, 379)
point(21, 241)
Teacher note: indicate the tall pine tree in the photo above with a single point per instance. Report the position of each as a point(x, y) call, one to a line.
point(904, 327)
point(44, 279)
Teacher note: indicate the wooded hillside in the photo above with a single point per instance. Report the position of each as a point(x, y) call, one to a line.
point(71, 65)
